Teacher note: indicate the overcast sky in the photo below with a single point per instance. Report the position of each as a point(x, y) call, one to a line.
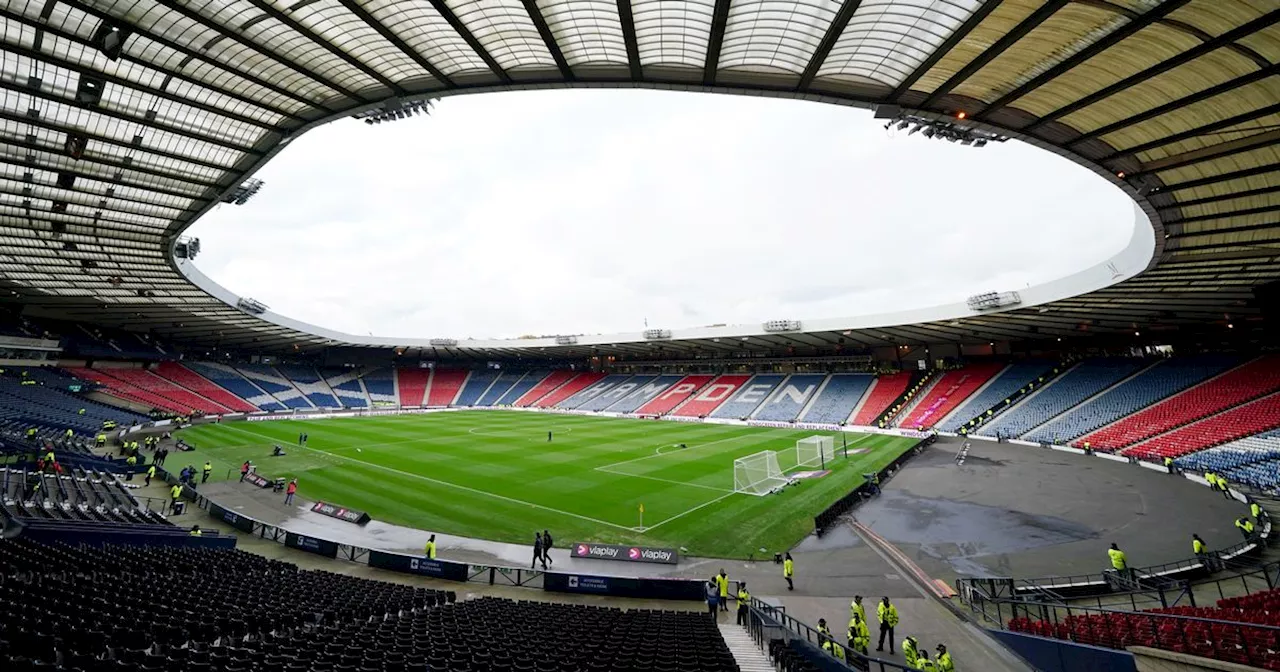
point(591, 211)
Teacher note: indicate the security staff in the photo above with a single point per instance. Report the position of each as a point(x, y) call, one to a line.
point(1256, 511)
point(48, 457)
point(1224, 486)
point(722, 582)
point(887, 614)
point(71, 434)
point(834, 649)
point(910, 648)
point(430, 549)
point(823, 629)
point(943, 660)
point(1197, 545)
point(744, 599)
point(132, 462)
point(855, 608)
point(789, 571)
point(151, 473)
point(208, 469)
point(1168, 464)
point(195, 531)
point(1245, 527)
point(859, 636)
point(923, 662)
point(1118, 560)
point(175, 493)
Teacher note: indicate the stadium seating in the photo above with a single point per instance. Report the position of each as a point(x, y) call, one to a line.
point(522, 387)
point(836, 400)
point(140, 386)
point(674, 395)
point(76, 496)
point(1156, 382)
point(562, 392)
point(230, 380)
point(347, 386)
point(311, 384)
point(886, 389)
point(589, 394)
point(275, 384)
point(749, 397)
point(1255, 417)
point(1253, 460)
point(499, 389)
point(1016, 377)
point(476, 385)
point(791, 397)
point(50, 404)
point(705, 401)
point(413, 386)
point(241, 612)
point(445, 386)
point(618, 393)
point(1077, 384)
point(644, 393)
point(552, 382)
point(1225, 634)
point(184, 377)
point(947, 393)
point(1237, 386)
point(381, 385)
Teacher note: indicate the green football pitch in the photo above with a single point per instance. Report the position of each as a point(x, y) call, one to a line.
point(494, 475)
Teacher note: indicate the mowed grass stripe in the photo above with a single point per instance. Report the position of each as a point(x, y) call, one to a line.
point(477, 473)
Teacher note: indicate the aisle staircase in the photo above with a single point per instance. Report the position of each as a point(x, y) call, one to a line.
point(745, 652)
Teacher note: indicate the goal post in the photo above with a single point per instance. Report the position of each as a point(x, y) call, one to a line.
point(815, 450)
point(757, 474)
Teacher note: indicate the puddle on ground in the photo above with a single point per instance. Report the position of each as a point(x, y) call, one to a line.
point(839, 536)
point(960, 532)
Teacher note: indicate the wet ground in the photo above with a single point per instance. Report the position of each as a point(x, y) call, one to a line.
point(1021, 511)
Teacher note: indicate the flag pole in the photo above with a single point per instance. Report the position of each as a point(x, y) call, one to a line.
point(642, 518)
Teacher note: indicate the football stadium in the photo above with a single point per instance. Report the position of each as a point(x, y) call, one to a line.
point(1075, 474)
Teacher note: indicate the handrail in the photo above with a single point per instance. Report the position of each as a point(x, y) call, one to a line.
point(763, 615)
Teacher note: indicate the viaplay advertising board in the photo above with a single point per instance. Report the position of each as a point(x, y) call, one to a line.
point(443, 569)
point(323, 547)
point(619, 586)
point(664, 556)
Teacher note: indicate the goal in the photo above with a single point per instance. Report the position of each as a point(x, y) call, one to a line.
point(815, 450)
point(758, 474)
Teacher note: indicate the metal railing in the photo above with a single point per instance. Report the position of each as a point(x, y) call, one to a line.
point(767, 622)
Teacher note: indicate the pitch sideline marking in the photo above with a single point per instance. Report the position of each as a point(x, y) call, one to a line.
point(650, 457)
point(459, 487)
point(603, 470)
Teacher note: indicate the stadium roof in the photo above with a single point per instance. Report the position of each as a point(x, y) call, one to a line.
point(124, 121)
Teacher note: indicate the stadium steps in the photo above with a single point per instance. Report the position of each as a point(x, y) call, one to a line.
point(1028, 398)
point(905, 411)
point(1089, 399)
point(745, 653)
point(862, 401)
point(804, 410)
point(973, 395)
point(368, 399)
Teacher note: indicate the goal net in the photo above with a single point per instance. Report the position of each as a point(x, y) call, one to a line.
point(757, 474)
point(815, 450)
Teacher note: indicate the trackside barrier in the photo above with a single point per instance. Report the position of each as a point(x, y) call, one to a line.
point(863, 492)
point(776, 632)
point(617, 586)
point(1056, 655)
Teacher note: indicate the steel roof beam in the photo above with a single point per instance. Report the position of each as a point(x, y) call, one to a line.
point(1178, 104)
point(715, 40)
point(1258, 24)
point(1244, 228)
point(829, 39)
point(548, 39)
point(1215, 179)
point(461, 29)
point(628, 22)
point(41, 94)
point(328, 46)
point(100, 178)
point(1206, 129)
point(81, 70)
point(181, 8)
point(111, 163)
point(1125, 31)
point(1218, 151)
point(1261, 191)
point(945, 48)
point(181, 49)
point(89, 195)
point(1007, 40)
point(389, 36)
